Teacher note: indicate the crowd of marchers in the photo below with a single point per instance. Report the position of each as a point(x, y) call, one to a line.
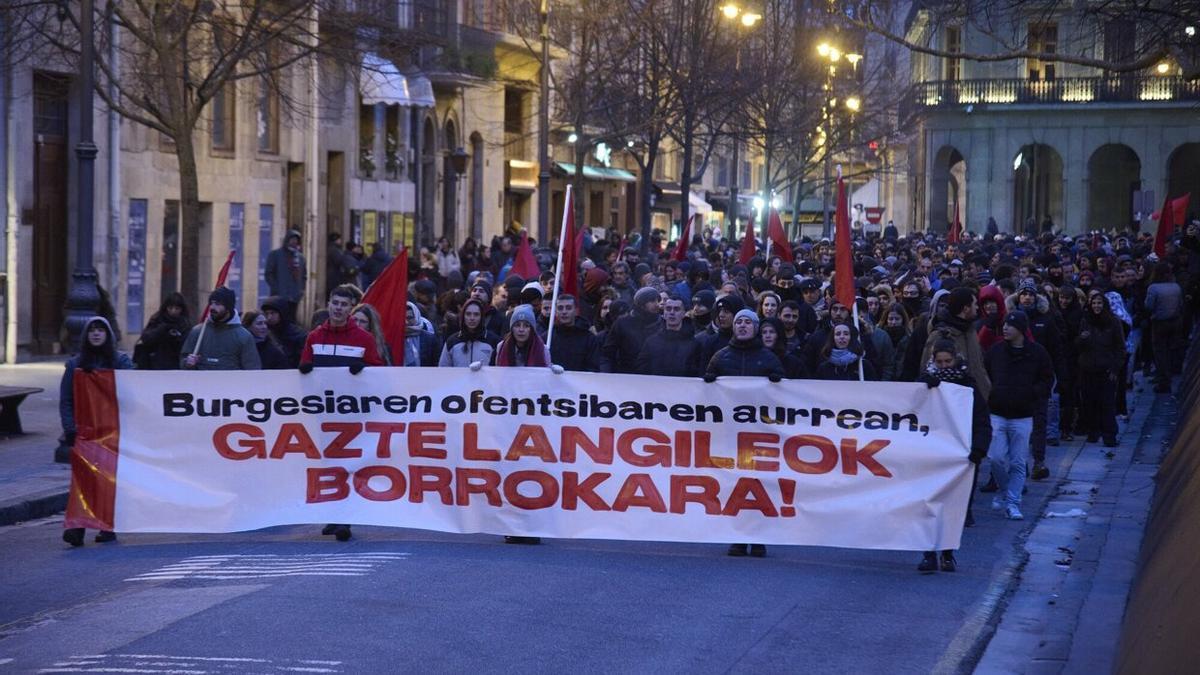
point(1047, 330)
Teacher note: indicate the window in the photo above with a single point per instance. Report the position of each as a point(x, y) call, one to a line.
point(723, 171)
point(366, 141)
point(514, 111)
point(430, 16)
point(747, 178)
point(223, 107)
point(1120, 39)
point(393, 143)
point(267, 116)
point(1043, 38)
point(954, 46)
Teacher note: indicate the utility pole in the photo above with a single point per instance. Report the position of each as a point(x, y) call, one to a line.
point(543, 216)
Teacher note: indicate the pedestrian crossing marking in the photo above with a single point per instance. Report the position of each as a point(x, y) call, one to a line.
point(167, 664)
point(270, 566)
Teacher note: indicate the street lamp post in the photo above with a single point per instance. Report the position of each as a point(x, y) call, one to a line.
point(83, 299)
point(543, 219)
point(830, 53)
point(747, 19)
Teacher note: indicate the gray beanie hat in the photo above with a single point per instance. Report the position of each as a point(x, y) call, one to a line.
point(644, 295)
point(748, 314)
point(522, 313)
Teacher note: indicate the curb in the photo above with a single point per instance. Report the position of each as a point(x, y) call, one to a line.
point(38, 506)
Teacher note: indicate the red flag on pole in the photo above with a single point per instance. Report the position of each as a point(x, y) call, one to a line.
point(221, 276)
point(685, 240)
point(621, 248)
point(525, 265)
point(388, 294)
point(778, 237)
point(955, 234)
point(569, 245)
point(1174, 212)
point(748, 243)
point(843, 259)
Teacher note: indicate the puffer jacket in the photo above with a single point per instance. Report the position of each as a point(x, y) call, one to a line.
point(575, 348)
point(624, 341)
point(745, 357)
point(463, 349)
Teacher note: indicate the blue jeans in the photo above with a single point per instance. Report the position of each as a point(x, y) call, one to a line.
point(1009, 454)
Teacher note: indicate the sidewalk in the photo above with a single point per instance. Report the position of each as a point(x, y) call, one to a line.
point(31, 484)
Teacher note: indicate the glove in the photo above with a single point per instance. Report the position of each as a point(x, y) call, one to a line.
point(69, 439)
point(475, 366)
point(710, 377)
point(774, 377)
point(87, 369)
point(356, 369)
point(931, 382)
point(306, 368)
point(556, 369)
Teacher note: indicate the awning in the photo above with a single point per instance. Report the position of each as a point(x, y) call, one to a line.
point(697, 203)
point(379, 81)
point(597, 172)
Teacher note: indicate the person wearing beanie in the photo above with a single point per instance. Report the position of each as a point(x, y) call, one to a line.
point(220, 342)
point(494, 318)
point(721, 331)
point(701, 313)
point(623, 342)
point(1022, 374)
point(745, 356)
point(1045, 330)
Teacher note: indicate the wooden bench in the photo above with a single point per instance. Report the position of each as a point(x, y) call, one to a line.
point(10, 400)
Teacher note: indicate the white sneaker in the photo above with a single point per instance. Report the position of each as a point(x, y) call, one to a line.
point(1013, 513)
point(997, 504)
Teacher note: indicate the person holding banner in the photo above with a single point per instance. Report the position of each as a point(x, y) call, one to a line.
point(745, 356)
point(946, 364)
point(97, 350)
point(841, 355)
point(473, 343)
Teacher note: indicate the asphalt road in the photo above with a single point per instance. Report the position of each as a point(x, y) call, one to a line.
point(390, 600)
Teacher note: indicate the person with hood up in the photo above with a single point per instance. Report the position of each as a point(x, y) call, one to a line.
point(1070, 309)
point(624, 340)
point(595, 283)
point(841, 355)
point(671, 351)
point(771, 331)
point(221, 342)
point(992, 310)
point(947, 365)
point(97, 350)
point(745, 356)
point(1101, 347)
point(288, 335)
point(375, 263)
point(955, 322)
point(1044, 328)
point(420, 342)
point(574, 346)
point(162, 339)
point(473, 342)
point(1021, 373)
point(286, 272)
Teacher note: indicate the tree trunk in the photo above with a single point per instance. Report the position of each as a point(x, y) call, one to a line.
point(685, 184)
point(189, 213)
point(647, 192)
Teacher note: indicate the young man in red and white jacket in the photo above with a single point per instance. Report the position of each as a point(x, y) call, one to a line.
point(339, 342)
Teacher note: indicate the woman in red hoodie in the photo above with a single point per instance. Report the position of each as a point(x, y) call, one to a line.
point(991, 317)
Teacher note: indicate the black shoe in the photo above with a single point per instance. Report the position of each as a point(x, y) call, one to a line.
point(105, 536)
point(990, 486)
point(929, 563)
point(737, 550)
point(342, 532)
point(73, 536)
point(329, 529)
point(949, 564)
point(1039, 471)
point(758, 550)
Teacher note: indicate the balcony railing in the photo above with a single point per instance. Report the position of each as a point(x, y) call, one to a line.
point(1116, 89)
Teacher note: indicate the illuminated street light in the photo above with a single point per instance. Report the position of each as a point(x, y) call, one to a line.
point(823, 49)
point(854, 59)
point(750, 18)
point(1163, 68)
point(759, 203)
point(573, 138)
point(853, 103)
point(1190, 30)
point(731, 11)
point(834, 54)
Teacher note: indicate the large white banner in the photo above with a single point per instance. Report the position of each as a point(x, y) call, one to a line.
point(526, 452)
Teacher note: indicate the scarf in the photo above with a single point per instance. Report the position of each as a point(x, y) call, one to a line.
point(956, 374)
point(842, 357)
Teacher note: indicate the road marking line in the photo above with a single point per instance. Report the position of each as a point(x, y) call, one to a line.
point(251, 566)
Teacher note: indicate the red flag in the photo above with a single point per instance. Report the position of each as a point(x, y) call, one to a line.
point(221, 276)
point(388, 294)
point(844, 261)
point(621, 248)
point(779, 237)
point(955, 234)
point(525, 265)
point(685, 240)
point(570, 244)
point(1179, 206)
point(1172, 215)
point(748, 243)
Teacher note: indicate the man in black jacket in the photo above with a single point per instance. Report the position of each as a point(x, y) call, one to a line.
point(573, 346)
point(672, 350)
point(1022, 375)
point(624, 341)
point(720, 332)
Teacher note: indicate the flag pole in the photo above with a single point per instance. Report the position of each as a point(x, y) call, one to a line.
point(562, 237)
point(861, 341)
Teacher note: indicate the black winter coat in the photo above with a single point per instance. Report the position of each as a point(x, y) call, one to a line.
point(674, 353)
point(1021, 378)
point(745, 357)
point(159, 345)
point(981, 420)
point(575, 347)
point(624, 341)
point(712, 341)
point(271, 355)
point(828, 371)
point(1101, 344)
